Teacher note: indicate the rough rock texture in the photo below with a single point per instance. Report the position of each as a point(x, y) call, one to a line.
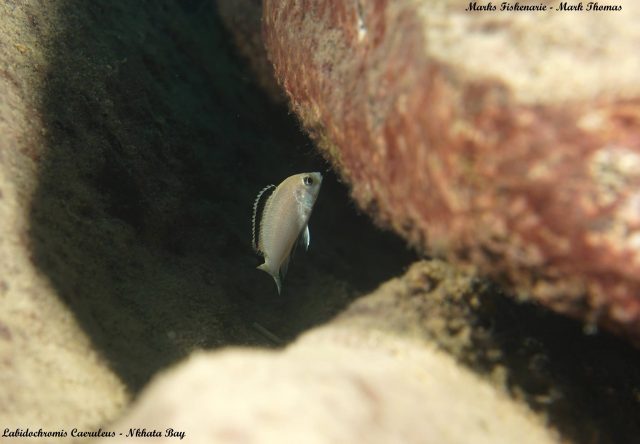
point(509, 140)
point(51, 376)
point(586, 386)
point(132, 145)
point(334, 386)
point(372, 375)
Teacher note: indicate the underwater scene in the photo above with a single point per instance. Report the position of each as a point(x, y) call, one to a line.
point(319, 221)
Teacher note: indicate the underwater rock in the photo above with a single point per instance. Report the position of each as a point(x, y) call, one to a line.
point(125, 225)
point(125, 241)
point(372, 374)
point(333, 386)
point(51, 375)
point(506, 140)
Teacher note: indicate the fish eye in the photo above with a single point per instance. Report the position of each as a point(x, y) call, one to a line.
point(307, 180)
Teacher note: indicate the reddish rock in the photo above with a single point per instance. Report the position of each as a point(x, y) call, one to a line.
point(507, 140)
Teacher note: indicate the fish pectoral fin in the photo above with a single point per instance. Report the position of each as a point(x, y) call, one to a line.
point(284, 267)
point(278, 283)
point(303, 239)
point(306, 237)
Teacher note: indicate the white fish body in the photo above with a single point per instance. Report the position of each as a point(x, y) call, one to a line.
point(284, 220)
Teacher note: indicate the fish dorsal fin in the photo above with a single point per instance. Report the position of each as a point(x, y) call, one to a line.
point(256, 203)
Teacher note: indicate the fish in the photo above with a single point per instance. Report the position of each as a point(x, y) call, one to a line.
point(284, 222)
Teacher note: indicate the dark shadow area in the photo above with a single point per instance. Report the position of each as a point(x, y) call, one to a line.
point(586, 385)
point(158, 143)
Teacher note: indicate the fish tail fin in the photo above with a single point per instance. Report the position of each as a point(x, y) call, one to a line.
point(276, 276)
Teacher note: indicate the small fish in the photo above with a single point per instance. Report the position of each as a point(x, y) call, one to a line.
point(284, 220)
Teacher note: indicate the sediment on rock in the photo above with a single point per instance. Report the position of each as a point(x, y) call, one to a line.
point(377, 365)
point(502, 140)
point(351, 392)
point(132, 144)
point(584, 385)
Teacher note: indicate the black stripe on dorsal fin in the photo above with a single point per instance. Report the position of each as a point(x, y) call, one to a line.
point(256, 203)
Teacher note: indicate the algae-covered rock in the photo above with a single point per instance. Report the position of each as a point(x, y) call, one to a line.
point(504, 139)
point(132, 144)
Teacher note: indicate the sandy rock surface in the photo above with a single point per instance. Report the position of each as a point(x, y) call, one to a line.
point(333, 386)
point(508, 140)
point(377, 373)
point(132, 145)
point(48, 365)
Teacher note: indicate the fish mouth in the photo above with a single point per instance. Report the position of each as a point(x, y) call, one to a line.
point(316, 175)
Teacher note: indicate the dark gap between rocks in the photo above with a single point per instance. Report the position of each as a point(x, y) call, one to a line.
point(158, 142)
point(587, 386)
